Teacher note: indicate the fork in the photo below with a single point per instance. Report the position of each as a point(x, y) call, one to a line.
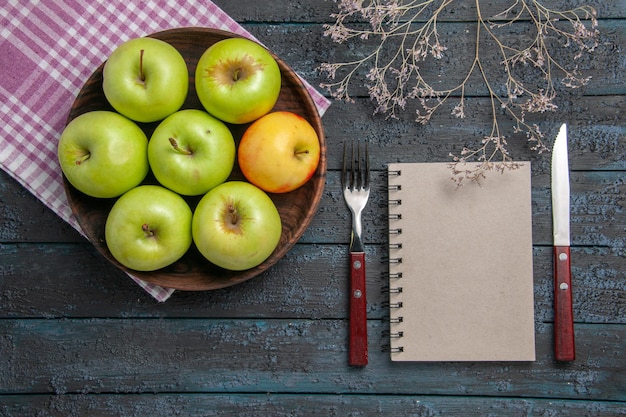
point(355, 178)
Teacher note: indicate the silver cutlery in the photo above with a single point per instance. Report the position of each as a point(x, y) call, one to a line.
point(355, 181)
point(563, 315)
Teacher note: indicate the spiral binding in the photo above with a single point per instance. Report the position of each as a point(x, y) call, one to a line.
point(396, 276)
point(390, 290)
point(393, 335)
point(385, 275)
point(393, 305)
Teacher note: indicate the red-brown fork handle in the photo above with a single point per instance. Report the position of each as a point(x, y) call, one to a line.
point(358, 313)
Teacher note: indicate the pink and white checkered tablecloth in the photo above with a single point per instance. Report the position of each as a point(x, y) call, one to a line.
point(48, 49)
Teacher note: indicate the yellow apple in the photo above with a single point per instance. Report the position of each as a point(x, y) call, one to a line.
point(279, 152)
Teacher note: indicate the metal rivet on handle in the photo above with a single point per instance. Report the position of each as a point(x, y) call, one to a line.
point(357, 294)
point(563, 286)
point(356, 265)
point(563, 257)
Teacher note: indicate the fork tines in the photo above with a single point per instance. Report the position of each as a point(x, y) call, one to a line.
point(355, 174)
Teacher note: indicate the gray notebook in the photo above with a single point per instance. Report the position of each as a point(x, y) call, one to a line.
point(460, 265)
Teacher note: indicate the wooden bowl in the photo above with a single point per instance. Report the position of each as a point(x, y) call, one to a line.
point(297, 208)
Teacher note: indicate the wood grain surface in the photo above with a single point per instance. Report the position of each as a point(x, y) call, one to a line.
point(76, 335)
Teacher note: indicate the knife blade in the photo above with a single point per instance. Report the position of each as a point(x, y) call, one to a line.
point(564, 347)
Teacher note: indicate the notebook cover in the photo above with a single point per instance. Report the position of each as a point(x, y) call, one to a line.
point(466, 265)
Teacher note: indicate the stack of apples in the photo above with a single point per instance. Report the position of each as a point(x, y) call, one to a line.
point(191, 154)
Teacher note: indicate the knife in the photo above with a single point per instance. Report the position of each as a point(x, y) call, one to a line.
point(564, 350)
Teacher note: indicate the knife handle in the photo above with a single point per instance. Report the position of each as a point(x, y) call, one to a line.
point(564, 350)
point(358, 314)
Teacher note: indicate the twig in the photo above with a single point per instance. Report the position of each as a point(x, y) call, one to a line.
point(409, 30)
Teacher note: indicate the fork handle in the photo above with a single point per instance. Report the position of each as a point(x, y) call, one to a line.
point(358, 313)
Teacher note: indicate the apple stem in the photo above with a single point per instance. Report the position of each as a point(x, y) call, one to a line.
point(306, 151)
point(237, 74)
point(83, 158)
point(178, 148)
point(146, 229)
point(142, 76)
point(234, 216)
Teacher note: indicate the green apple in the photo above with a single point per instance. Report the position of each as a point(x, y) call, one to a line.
point(236, 226)
point(148, 228)
point(237, 80)
point(279, 152)
point(145, 79)
point(191, 152)
point(103, 154)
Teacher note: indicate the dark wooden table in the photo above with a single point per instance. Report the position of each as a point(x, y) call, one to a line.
point(77, 337)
